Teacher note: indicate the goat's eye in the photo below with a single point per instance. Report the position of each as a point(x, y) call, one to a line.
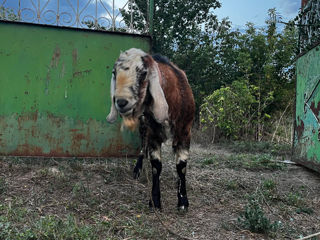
point(142, 77)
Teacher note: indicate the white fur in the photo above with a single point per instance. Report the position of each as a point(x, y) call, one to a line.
point(160, 106)
point(112, 116)
point(130, 60)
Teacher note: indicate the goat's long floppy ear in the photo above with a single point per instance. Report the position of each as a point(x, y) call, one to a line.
point(112, 116)
point(160, 105)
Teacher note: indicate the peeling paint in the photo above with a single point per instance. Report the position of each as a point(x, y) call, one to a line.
point(300, 128)
point(314, 109)
point(54, 97)
point(30, 136)
point(307, 119)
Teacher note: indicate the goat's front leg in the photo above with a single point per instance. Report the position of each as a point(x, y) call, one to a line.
point(143, 135)
point(138, 168)
point(181, 165)
point(156, 165)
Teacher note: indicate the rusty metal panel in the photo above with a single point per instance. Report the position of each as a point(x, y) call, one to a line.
point(55, 91)
point(307, 119)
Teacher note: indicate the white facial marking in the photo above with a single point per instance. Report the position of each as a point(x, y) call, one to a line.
point(126, 78)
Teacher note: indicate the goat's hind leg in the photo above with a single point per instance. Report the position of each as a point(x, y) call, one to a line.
point(182, 155)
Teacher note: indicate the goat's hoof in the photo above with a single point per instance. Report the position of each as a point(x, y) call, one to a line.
point(183, 209)
point(156, 205)
point(136, 172)
point(183, 203)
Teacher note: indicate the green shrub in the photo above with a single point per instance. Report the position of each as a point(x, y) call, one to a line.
point(235, 110)
point(254, 219)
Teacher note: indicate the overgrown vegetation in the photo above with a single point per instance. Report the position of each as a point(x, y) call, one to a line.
point(47, 228)
point(243, 80)
point(98, 199)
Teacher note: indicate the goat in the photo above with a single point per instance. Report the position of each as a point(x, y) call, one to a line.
point(153, 93)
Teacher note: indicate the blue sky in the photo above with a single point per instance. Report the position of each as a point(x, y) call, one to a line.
point(256, 11)
point(239, 11)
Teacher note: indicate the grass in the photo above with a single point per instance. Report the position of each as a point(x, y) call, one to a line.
point(98, 199)
point(260, 161)
point(259, 147)
point(47, 228)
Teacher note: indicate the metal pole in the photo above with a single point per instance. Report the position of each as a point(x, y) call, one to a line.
point(58, 12)
point(151, 13)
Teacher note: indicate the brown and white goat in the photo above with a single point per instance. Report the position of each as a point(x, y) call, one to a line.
point(153, 93)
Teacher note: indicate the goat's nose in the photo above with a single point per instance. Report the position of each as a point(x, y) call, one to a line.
point(121, 102)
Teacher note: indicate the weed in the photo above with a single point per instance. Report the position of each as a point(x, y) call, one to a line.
point(306, 210)
point(254, 219)
point(82, 193)
point(269, 184)
point(232, 185)
point(294, 199)
point(209, 161)
point(269, 189)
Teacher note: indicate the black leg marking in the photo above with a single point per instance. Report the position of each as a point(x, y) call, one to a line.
point(156, 171)
point(183, 202)
point(138, 168)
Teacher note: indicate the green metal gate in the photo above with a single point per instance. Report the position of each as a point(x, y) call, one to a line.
point(54, 91)
point(307, 117)
point(307, 120)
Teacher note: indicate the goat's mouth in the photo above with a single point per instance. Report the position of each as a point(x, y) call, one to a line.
point(126, 112)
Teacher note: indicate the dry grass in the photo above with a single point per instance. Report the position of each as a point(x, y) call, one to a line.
point(103, 199)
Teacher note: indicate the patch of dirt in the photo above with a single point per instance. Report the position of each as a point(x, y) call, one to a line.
point(99, 191)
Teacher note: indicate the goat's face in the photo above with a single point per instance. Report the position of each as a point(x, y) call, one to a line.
point(134, 72)
point(129, 74)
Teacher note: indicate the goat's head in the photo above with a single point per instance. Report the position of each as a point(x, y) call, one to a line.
point(135, 73)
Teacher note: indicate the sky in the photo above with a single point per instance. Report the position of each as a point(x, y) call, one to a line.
point(256, 11)
point(239, 11)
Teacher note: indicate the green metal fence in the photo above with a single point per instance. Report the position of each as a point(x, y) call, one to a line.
point(307, 120)
point(54, 91)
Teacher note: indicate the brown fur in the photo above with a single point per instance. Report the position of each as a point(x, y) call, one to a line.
point(181, 103)
point(159, 97)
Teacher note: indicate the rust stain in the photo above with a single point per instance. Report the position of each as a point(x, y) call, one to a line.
point(27, 78)
point(74, 130)
point(56, 57)
point(115, 150)
point(300, 128)
point(81, 73)
point(315, 109)
point(74, 56)
point(80, 139)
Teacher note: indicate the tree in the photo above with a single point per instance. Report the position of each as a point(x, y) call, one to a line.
point(8, 14)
